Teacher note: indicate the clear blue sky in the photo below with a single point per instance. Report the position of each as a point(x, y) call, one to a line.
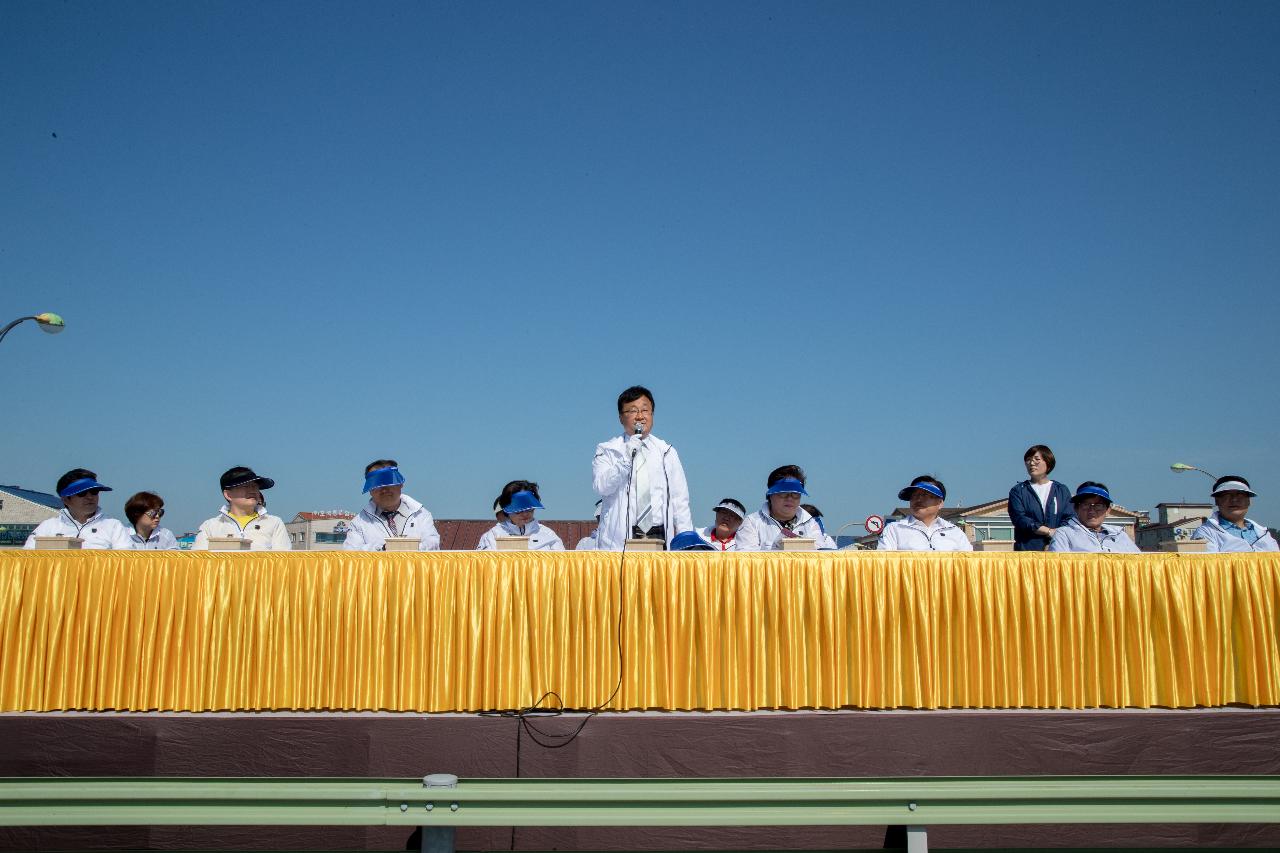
point(872, 239)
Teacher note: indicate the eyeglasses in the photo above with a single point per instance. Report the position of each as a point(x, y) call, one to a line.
point(155, 514)
point(87, 493)
point(1093, 506)
point(633, 412)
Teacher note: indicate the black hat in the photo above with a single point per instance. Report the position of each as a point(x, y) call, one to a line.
point(240, 475)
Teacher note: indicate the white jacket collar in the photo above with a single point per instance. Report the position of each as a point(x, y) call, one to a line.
point(1216, 521)
point(226, 510)
point(939, 523)
point(97, 516)
point(1107, 530)
point(512, 530)
point(802, 516)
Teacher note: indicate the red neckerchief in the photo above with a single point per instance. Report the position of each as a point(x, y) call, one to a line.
point(723, 542)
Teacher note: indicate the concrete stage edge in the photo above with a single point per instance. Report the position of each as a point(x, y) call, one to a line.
point(811, 743)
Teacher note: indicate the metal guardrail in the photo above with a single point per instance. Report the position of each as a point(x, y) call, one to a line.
point(913, 802)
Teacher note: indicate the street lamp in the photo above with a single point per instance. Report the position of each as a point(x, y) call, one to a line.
point(1179, 467)
point(48, 322)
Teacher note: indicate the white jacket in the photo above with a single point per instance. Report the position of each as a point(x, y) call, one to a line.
point(587, 543)
point(99, 532)
point(160, 540)
point(541, 538)
point(910, 534)
point(368, 531)
point(610, 476)
point(707, 532)
point(1219, 539)
point(761, 533)
point(265, 532)
point(1074, 536)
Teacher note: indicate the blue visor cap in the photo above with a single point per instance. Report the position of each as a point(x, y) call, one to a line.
point(75, 487)
point(787, 486)
point(380, 477)
point(1093, 490)
point(905, 494)
point(690, 541)
point(521, 501)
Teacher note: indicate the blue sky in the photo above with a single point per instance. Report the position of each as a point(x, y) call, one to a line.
point(875, 240)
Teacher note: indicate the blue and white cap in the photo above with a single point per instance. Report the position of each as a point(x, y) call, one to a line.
point(787, 486)
point(76, 487)
point(521, 501)
point(690, 541)
point(380, 477)
point(1097, 491)
point(924, 486)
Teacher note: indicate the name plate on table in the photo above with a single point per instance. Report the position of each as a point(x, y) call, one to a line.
point(1186, 546)
point(993, 545)
point(403, 543)
point(228, 543)
point(799, 543)
point(512, 543)
point(646, 545)
point(58, 543)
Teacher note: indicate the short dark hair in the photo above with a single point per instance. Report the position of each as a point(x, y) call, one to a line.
point(141, 503)
point(737, 503)
point(932, 480)
point(635, 392)
point(1045, 453)
point(73, 475)
point(511, 488)
point(381, 463)
point(783, 471)
point(1095, 483)
point(812, 510)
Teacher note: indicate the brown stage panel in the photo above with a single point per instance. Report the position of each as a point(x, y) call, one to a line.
point(842, 743)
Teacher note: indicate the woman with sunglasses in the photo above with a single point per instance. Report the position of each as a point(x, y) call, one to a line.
point(144, 511)
point(1086, 531)
point(80, 517)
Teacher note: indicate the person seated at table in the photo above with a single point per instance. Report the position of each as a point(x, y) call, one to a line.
point(80, 516)
point(826, 543)
point(519, 500)
point(723, 535)
point(591, 540)
point(1038, 506)
point(924, 529)
point(691, 540)
point(781, 517)
point(144, 511)
point(1085, 531)
point(1228, 529)
point(245, 515)
point(390, 512)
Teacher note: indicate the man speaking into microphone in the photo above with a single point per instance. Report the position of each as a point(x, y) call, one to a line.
point(639, 479)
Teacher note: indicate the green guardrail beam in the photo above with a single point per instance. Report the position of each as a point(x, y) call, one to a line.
point(640, 802)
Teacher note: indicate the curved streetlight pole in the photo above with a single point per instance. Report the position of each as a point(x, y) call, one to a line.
point(1179, 467)
point(48, 322)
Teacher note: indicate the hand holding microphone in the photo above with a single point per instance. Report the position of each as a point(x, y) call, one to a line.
point(633, 440)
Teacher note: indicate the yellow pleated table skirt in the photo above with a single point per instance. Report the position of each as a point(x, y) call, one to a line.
point(455, 631)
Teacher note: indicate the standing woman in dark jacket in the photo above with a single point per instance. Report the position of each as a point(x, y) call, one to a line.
point(1038, 506)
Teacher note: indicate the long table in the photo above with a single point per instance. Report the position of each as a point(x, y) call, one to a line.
point(461, 631)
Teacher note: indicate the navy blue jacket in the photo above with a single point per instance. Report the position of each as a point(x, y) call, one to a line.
point(1028, 515)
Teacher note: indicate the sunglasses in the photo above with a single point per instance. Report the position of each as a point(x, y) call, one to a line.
point(155, 514)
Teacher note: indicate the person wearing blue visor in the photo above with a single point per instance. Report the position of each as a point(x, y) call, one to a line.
point(1085, 531)
point(781, 517)
point(1228, 529)
point(80, 516)
point(690, 540)
point(518, 501)
point(924, 529)
point(390, 512)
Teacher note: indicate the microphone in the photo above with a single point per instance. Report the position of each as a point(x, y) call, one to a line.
point(639, 427)
point(639, 431)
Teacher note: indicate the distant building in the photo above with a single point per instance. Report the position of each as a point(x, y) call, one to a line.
point(318, 531)
point(991, 520)
point(21, 510)
point(1174, 521)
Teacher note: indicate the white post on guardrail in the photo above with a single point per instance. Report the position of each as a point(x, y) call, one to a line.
point(439, 839)
point(917, 839)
